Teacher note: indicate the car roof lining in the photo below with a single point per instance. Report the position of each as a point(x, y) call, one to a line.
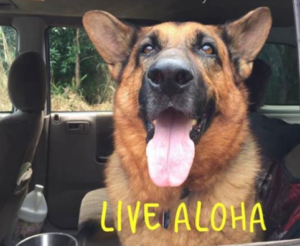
point(69, 12)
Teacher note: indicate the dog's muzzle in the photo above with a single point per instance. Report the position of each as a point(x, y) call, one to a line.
point(174, 107)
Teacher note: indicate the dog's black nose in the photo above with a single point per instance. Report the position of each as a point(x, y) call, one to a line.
point(170, 76)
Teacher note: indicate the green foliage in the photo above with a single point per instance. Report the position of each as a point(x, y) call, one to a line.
point(62, 54)
point(60, 90)
point(7, 55)
point(8, 45)
point(95, 84)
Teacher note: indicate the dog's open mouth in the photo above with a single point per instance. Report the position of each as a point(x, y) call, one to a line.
point(171, 146)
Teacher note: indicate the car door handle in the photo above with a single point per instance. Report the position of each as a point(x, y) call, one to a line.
point(74, 127)
point(102, 159)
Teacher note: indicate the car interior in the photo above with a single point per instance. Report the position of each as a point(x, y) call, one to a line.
point(57, 116)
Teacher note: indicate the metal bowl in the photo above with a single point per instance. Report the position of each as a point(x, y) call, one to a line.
point(49, 239)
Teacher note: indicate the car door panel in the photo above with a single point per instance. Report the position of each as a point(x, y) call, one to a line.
point(78, 143)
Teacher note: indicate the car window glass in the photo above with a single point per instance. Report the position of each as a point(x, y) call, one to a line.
point(8, 37)
point(283, 88)
point(79, 77)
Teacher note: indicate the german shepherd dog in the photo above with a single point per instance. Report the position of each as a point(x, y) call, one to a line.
point(181, 127)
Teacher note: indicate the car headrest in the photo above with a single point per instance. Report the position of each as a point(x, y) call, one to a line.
point(27, 82)
point(257, 84)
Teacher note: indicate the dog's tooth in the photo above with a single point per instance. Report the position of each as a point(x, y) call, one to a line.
point(154, 122)
point(194, 122)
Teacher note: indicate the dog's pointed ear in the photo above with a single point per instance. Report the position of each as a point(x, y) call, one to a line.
point(112, 38)
point(246, 37)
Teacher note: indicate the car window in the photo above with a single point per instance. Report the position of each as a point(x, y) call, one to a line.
point(283, 88)
point(8, 37)
point(80, 80)
point(79, 77)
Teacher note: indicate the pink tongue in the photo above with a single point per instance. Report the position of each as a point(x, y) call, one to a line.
point(171, 151)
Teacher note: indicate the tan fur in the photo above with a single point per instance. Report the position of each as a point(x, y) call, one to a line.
point(231, 187)
point(226, 162)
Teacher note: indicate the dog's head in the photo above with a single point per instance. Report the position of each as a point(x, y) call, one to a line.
point(177, 83)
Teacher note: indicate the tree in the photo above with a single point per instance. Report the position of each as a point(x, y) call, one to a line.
point(7, 54)
point(76, 64)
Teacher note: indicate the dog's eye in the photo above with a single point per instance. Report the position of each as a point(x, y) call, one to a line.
point(147, 49)
point(208, 49)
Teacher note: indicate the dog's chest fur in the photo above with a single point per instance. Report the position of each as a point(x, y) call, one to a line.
point(232, 186)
